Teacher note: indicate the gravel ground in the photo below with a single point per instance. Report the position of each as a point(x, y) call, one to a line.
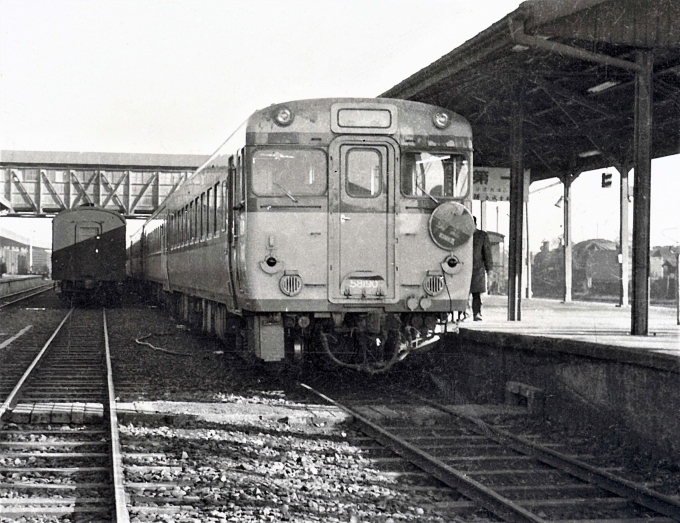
point(257, 470)
point(274, 471)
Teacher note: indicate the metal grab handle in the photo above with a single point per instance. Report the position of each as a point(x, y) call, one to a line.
point(344, 218)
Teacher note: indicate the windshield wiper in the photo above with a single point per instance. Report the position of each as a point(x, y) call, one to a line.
point(427, 193)
point(285, 191)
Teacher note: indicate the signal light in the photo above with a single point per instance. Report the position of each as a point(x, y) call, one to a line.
point(606, 180)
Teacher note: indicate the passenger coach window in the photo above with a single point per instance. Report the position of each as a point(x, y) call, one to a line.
point(363, 175)
point(443, 175)
point(289, 172)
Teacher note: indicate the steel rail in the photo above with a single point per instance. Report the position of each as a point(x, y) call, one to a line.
point(644, 496)
point(486, 497)
point(11, 399)
point(44, 288)
point(121, 515)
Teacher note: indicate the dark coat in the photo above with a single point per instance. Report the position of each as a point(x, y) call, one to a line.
point(482, 260)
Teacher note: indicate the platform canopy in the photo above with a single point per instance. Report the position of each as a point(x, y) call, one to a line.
point(40, 183)
point(573, 64)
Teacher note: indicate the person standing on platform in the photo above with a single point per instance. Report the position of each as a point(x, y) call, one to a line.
point(482, 264)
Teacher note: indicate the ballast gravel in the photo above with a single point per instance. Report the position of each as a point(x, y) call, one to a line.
point(184, 467)
point(188, 467)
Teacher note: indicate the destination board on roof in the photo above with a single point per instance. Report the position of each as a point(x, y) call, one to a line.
point(492, 184)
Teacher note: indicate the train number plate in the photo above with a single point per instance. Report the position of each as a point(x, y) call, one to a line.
point(363, 286)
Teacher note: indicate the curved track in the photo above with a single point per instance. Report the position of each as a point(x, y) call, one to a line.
point(511, 477)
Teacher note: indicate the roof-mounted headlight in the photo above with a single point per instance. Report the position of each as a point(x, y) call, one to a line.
point(441, 119)
point(283, 116)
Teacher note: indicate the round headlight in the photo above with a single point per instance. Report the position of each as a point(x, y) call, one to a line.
point(441, 120)
point(283, 116)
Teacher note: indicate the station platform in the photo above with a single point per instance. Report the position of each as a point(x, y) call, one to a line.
point(593, 329)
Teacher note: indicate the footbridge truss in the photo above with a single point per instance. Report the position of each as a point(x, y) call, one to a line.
point(40, 183)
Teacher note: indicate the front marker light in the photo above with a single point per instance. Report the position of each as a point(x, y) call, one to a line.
point(283, 116)
point(441, 120)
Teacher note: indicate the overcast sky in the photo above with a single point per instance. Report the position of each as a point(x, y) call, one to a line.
point(179, 76)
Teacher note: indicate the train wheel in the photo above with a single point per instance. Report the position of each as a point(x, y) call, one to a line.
point(298, 349)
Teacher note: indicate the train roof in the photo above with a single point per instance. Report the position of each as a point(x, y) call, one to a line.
point(88, 209)
point(311, 114)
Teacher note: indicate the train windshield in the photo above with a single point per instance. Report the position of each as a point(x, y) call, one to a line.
point(289, 172)
point(434, 174)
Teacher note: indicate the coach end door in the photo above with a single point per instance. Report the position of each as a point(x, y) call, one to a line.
point(361, 221)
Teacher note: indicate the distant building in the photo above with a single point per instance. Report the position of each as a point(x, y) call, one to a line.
point(42, 261)
point(16, 254)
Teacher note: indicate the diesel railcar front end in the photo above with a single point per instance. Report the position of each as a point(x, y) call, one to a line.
point(337, 225)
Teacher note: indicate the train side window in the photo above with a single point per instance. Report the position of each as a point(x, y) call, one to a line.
point(178, 220)
point(223, 203)
point(196, 218)
point(215, 207)
point(241, 176)
point(192, 221)
point(185, 224)
point(363, 175)
point(170, 236)
point(201, 220)
point(206, 214)
point(176, 230)
point(208, 210)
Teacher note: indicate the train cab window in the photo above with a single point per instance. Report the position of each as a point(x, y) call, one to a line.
point(289, 172)
point(85, 233)
point(434, 174)
point(363, 173)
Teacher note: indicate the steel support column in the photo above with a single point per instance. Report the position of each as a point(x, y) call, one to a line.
point(516, 211)
point(566, 238)
point(529, 294)
point(624, 250)
point(641, 205)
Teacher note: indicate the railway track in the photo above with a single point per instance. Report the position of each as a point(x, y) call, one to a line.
point(59, 448)
point(16, 297)
point(513, 478)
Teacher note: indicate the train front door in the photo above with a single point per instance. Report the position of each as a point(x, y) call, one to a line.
point(361, 221)
point(85, 260)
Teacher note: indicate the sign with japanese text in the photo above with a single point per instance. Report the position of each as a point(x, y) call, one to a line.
point(493, 184)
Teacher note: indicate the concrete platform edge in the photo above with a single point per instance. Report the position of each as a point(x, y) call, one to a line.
point(602, 351)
